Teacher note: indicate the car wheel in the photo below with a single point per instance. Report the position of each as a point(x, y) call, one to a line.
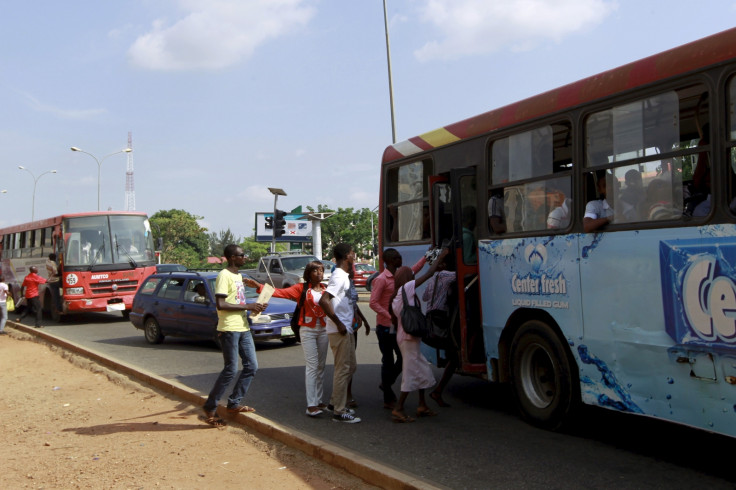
point(289, 340)
point(543, 376)
point(152, 331)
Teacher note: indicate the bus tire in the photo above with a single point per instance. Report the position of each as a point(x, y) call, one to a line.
point(543, 376)
point(152, 331)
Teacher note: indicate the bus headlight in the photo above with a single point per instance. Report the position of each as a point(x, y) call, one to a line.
point(74, 291)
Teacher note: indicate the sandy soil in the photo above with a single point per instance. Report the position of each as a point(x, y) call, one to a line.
point(68, 423)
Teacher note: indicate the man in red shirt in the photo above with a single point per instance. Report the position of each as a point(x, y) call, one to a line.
point(30, 293)
point(382, 288)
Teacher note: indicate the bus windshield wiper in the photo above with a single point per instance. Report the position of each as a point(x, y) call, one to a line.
point(100, 252)
point(132, 262)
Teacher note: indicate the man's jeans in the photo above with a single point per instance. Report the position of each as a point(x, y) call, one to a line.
point(390, 368)
point(234, 344)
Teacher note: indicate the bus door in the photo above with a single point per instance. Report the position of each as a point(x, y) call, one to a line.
point(453, 215)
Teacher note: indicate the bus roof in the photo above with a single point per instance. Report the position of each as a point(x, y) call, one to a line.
point(688, 57)
point(46, 222)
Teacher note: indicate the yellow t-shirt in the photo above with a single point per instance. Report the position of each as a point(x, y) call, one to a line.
point(231, 285)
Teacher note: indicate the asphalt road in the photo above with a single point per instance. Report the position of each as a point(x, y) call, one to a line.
point(479, 442)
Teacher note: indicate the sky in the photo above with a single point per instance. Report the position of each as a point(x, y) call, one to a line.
point(226, 98)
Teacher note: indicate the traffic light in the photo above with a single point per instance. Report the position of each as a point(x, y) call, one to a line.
point(279, 223)
point(269, 222)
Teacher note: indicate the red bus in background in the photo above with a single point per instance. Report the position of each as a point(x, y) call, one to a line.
point(102, 258)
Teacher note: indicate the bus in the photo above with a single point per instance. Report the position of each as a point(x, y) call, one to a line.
point(593, 235)
point(102, 257)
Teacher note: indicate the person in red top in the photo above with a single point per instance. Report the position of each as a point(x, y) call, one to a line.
point(382, 288)
point(313, 331)
point(29, 290)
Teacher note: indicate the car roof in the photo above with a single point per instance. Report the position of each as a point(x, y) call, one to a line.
point(184, 274)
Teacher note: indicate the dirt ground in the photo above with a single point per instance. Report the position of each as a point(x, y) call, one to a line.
point(68, 423)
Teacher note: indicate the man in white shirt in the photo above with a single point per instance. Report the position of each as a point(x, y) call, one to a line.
point(335, 302)
point(598, 212)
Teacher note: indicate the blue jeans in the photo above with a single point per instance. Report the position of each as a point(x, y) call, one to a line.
point(234, 344)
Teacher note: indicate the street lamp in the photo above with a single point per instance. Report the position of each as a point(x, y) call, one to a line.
point(35, 181)
point(99, 166)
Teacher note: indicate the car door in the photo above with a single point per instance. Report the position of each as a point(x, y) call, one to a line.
point(166, 306)
point(197, 314)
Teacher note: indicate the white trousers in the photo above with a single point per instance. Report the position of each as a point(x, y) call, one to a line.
point(315, 344)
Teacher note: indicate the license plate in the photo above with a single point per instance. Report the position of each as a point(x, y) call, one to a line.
point(286, 331)
point(116, 307)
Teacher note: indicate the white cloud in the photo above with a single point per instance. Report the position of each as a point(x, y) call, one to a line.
point(71, 114)
point(473, 27)
point(215, 34)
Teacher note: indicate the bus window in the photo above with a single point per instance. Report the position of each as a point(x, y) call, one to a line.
point(408, 202)
point(732, 143)
point(634, 139)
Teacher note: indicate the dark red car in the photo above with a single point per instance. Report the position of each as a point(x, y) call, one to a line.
point(362, 272)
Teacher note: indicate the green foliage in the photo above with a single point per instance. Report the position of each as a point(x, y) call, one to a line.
point(185, 242)
point(349, 226)
point(254, 250)
point(218, 241)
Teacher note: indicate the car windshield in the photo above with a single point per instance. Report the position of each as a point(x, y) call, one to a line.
point(249, 292)
point(296, 263)
point(364, 267)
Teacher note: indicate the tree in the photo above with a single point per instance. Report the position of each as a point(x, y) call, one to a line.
point(254, 250)
point(218, 242)
point(185, 242)
point(349, 226)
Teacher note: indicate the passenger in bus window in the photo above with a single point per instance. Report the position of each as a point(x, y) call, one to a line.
point(496, 214)
point(598, 212)
point(632, 197)
point(559, 217)
point(469, 251)
point(659, 195)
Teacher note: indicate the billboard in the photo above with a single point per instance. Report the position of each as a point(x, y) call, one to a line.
point(298, 228)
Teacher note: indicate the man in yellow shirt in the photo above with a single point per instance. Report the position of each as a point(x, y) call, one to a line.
point(235, 337)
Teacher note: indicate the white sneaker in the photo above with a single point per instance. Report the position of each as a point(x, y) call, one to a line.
point(346, 417)
point(315, 413)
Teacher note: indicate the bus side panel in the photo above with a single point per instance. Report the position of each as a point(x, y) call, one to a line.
point(660, 324)
point(539, 275)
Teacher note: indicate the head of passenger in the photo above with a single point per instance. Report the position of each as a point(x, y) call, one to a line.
point(632, 178)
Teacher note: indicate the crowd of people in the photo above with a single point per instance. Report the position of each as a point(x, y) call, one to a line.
point(328, 315)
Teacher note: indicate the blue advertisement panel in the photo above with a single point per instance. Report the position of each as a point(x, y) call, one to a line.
point(649, 316)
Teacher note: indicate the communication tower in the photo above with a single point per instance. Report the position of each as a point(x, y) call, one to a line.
point(129, 184)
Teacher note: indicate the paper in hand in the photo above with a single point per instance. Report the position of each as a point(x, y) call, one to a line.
point(265, 295)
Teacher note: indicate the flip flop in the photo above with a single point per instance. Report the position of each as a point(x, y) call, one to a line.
point(427, 412)
point(401, 419)
point(438, 399)
point(241, 409)
point(212, 419)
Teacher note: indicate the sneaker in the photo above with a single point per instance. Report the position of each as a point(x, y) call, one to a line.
point(331, 408)
point(346, 417)
point(315, 413)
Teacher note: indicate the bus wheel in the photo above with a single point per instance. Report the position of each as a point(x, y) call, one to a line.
point(152, 331)
point(542, 375)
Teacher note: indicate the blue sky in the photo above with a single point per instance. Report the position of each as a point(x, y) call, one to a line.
point(225, 98)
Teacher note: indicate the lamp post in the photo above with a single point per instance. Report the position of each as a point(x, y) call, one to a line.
point(99, 166)
point(35, 181)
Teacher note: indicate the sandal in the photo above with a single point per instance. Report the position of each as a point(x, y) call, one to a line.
point(400, 418)
point(212, 419)
point(241, 409)
point(438, 399)
point(426, 412)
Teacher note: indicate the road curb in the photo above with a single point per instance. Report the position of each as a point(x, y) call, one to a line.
point(371, 471)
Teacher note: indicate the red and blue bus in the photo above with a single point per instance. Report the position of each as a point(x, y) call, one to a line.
point(102, 258)
point(594, 236)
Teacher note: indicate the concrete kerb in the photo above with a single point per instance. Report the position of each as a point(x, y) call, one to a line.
point(368, 470)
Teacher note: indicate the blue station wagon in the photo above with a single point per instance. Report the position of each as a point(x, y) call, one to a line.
point(182, 304)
